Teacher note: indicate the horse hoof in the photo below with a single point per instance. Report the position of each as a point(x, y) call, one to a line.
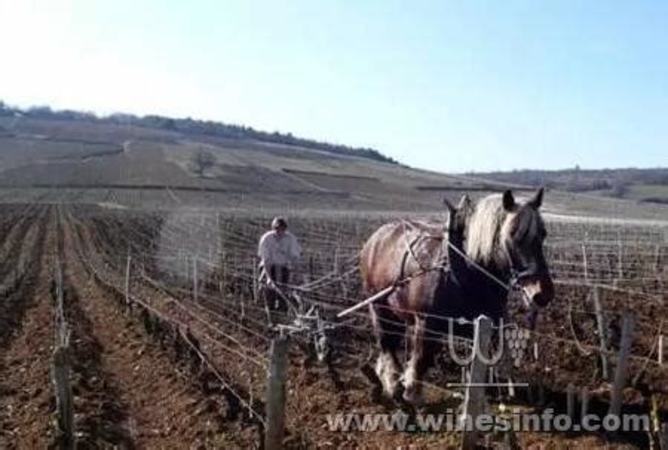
point(413, 397)
point(377, 394)
point(398, 394)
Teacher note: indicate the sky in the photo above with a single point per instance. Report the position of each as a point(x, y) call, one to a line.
point(452, 86)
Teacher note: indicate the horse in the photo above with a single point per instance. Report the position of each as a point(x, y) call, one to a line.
point(494, 244)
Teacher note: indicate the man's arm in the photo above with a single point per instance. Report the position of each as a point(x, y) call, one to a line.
point(264, 251)
point(296, 249)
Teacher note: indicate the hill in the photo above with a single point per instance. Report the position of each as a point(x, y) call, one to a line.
point(192, 127)
point(131, 165)
point(644, 185)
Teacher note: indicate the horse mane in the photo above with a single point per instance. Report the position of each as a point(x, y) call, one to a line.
point(489, 222)
point(484, 227)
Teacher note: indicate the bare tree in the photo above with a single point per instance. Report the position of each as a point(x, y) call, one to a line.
point(202, 160)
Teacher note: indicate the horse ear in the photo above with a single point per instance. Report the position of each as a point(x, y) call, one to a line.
point(508, 200)
point(464, 203)
point(537, 199)
point(451, 209)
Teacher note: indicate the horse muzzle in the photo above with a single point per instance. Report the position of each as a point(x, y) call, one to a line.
point(539, 289)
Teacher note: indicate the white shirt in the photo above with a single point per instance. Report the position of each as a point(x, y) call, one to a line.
point(278, 250)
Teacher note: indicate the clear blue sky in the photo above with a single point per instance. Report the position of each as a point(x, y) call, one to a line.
point(445, 85)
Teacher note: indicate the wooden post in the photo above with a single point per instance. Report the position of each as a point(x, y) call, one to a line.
point(620, 265)
point(61, 369)
point(570, 401)
point(660, 350)
point(273, 438)
point(223, 270)
point(195, 281)
point(511, 386)
point(541, 392)
point(127, 278)
point(311, 269)
point(335, 267)
point(602, 335)
point(255, 285)
point(64, 406)
point(249, 371)
point(622, 364)
point(663, 437)
point(186, 272)
point(474, 398)
point(584, 403)
point(584, 263)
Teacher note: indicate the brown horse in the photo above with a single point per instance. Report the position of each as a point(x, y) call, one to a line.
point(503, 237)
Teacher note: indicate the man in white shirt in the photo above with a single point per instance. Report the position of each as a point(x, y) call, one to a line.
point(279, 252)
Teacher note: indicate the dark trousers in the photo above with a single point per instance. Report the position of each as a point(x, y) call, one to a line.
point(280, 275)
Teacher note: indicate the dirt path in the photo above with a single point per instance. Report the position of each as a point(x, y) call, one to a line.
point(26, 346)
point(138, 397)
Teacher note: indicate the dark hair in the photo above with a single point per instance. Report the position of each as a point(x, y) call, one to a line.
point(279, 222)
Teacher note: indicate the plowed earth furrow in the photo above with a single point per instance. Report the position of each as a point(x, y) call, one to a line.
point(149, 404)
point(26, 342)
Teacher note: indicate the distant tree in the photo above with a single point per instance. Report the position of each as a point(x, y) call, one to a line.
point(202, 160)
point(41, 112)
point(599, 185)
point(619, 189)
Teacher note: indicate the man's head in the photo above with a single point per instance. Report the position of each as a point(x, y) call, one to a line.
point(279, 225)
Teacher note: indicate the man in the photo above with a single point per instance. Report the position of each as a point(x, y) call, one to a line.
point(279, 252)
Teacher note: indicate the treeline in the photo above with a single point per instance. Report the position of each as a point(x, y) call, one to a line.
point(615, 181)
point(193, 127)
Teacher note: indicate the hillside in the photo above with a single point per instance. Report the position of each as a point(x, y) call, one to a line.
point(189, 126)
point(644, 185)
point(49, 160)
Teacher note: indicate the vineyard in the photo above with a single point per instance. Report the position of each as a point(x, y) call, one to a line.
point(149, 330)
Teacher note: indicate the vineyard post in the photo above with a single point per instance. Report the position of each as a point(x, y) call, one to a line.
point(474, 398)
point(601, 328)
point(663, 437)
point(186, 273)
point(127, 278)
point(273, 438)
point(584, 263)
point(570, 400)
point(584, 402)
point(620, 262)
point(61, 378)
point(61, 369)
point(255, 283)
point(195, 283)
point(311, 268)
point(223, 271)
point(622, 364)
point(660, 350)
point(335, 269)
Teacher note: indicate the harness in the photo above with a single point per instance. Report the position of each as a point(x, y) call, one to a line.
point(403, 279)
point(410, 251)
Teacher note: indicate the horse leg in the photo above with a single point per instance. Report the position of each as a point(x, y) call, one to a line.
point(388, 332)
point(411, 377)
point(423, 352)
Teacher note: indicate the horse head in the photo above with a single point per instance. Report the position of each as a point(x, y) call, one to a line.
point(505, 236)
point(522, 235)
point(458, 215)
